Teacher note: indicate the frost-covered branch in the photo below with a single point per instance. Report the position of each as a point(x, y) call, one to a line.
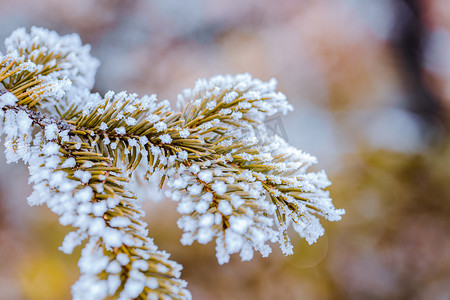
point(252, 186)
point(86, 152)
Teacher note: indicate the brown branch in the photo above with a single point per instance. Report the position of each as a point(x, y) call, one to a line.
point(39, 118)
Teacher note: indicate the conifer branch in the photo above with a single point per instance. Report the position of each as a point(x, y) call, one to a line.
point(85, 152)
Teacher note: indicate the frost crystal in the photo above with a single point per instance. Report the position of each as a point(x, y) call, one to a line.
point(66, 51)
point(160, 126)
point(7, 99)
point(205, 176)
point(166, 139)
point(184, 133)
point(219, 187)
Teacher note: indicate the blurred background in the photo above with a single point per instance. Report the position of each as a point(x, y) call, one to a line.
point(370, 83)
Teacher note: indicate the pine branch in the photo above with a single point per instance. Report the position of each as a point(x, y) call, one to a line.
point(89, 195)
point(85, 153)
point(252, 181)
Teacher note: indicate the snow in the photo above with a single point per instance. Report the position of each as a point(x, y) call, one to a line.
point(84, 176)
point(205, 235)
point(165, 138)
point(71, 240)
point(239, 224)
point(225, 208)
point(201, 207)
point(96, 227)
point(219, 187)
point(112, 237)
point(160, 126)
point(161, 268)
point(211, 105)
point(78, 65)
point(123, 259)
point(133, 142)
point(120, 130)
point(23, 122)
point(236, 201)
point(69, 163)
point(143, 140)
point(7, 99)
point(246, 252)
point(233, 241)
point(153, 118)
point(130, 121)
point(183, 155)
point(194, 168)
point(50, 149)
point(140, 264)
point(184, 133)
point(133, 288)
point(195, 189)
point(152, 283)
point(230, 96)
point(113, 284)
point(185, 207)
point(84, 195)
point(206, 220)
point(119, 222)
point(205, 176)
point(92, 260)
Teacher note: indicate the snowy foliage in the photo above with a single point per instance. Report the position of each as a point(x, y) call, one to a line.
point(87, 155)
